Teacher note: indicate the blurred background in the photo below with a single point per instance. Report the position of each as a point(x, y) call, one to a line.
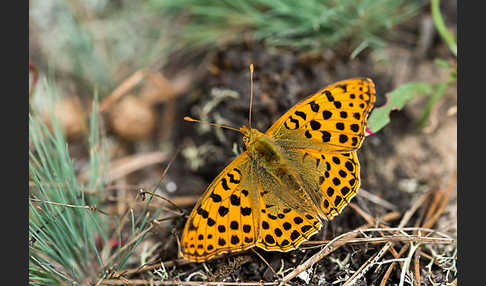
point(150, 63)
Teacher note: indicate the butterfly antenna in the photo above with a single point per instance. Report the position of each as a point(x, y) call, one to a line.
point(251, 98)
point(187, 118)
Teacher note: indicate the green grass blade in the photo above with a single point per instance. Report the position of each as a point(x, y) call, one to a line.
point(61, 235)
point(447, 36)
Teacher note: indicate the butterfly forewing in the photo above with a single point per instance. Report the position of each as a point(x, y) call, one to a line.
point(319, 137)
point(333, 119)
point(226, 217)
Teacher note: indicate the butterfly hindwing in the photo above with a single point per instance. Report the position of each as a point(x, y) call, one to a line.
point(225, 218)
point(284, 229)
point(333, 119)
point(286, 218)
point(335, 174)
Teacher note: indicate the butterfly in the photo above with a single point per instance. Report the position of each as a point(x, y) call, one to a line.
point(303, 170)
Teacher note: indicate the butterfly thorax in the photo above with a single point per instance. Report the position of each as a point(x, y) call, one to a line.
point(261, 146)
point(271, 158)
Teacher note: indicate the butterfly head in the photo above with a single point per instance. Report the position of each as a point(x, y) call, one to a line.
point(250, 136)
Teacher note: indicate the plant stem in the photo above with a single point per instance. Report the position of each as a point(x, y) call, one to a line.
point(441, 28)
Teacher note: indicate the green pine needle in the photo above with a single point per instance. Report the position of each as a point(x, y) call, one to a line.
point(62, 228)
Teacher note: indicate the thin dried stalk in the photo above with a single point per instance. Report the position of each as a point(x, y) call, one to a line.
point(366, 266)
point(377, 200)
point(390, 268)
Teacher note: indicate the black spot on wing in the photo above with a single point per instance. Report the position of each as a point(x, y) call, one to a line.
point(232, 179)
point(301, 114)
point(295, 121)
point(344, 87)
point(328, 95)
point(314, 106)
point(224, 184)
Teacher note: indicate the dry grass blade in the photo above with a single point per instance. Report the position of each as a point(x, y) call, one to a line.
point(182, 201)
point(367, 265)
point(169, 201)
point(394, 238)
point(346, 237)
point(170, 89)
point(409, 213)
point(326, 250)
point(91, 208)
point(408, 260)
point(369, 219)
point(403, 238)
point(396, 254)
point(129, 164)
point(266, 262)
point(377, 200)
point(390, 268)
point(417, 268)
point(329, 248)
point(126, 246)
point(444, 196)
point(149, 267)
point(436, 199)
point(435, 208)
point(422, 214)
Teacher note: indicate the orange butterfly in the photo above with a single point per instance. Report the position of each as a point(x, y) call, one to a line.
point(302, 170)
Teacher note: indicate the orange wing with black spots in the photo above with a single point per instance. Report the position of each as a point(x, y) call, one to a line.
point(284, 229)
point(333, 119)
point(337, 175)
point(320, 136)
point(226, 218)
point(287, 216)
point(303, 170)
